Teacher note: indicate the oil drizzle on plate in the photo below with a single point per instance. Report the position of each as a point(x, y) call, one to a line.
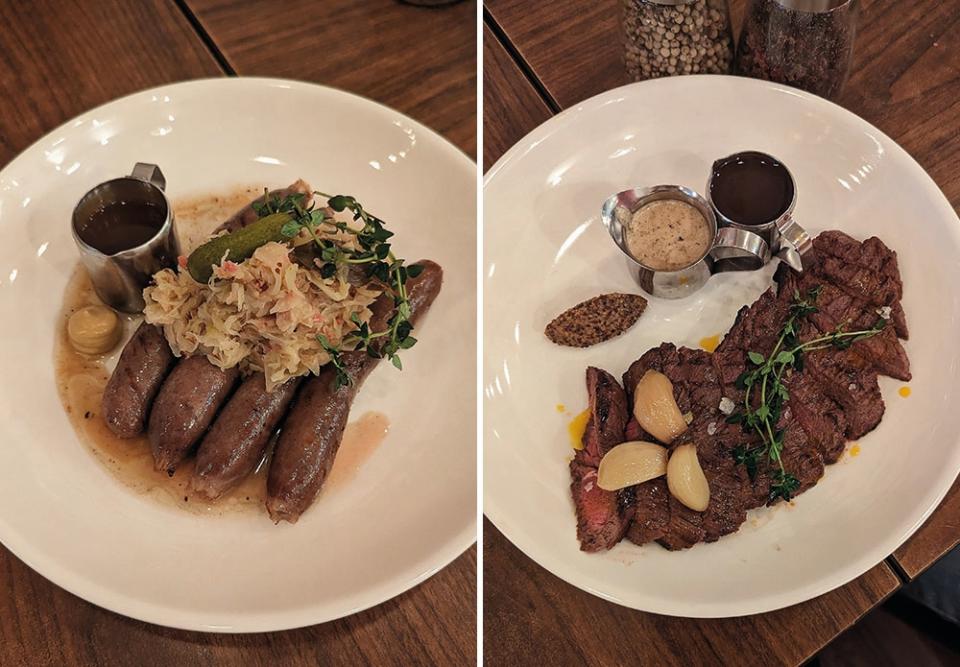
point(81, 380)
point(710, 343)
point(576, 427)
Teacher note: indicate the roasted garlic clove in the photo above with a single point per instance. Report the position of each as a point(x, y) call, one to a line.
point(655, 408)
point(631, 463)
point(686, 480)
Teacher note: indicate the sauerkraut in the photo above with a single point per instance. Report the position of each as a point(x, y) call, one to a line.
point(262, 314)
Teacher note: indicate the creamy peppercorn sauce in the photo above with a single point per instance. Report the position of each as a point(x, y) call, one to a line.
point(668, 235)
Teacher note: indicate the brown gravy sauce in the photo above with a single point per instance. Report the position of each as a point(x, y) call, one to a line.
point(81, 380)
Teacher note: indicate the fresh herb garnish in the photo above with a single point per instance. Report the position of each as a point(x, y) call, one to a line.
point(377, 259)
point(748, 458)
point(765, 393)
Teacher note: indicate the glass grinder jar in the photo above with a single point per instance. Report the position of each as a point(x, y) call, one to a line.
point(669, 37)
point(807, 44)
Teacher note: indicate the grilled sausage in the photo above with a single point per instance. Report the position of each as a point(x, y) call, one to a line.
point(246, 215)
point(185, 406)
point(314, 427)
point(238, 438)
point(144, 363)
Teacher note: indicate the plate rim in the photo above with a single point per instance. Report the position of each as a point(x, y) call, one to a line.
point(520, 537)
point(235, 622)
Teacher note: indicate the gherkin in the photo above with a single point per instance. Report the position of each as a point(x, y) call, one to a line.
point(237, 246)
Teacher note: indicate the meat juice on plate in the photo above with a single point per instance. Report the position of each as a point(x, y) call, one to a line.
point(81, 380)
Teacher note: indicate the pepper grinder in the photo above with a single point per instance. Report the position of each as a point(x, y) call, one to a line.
point(806, 44)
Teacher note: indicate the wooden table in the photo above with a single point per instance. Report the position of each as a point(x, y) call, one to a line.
point(542, 58)
point(58, 59)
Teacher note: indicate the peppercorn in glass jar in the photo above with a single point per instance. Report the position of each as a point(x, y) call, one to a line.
point(807, 44)
point(667, 37)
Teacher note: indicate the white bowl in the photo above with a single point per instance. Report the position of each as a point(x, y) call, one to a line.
point(411, 508)
point(545, 250)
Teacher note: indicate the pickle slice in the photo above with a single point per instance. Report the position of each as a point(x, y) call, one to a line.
point(238, 245)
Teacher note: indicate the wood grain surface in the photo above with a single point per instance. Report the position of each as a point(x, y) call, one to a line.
point(905, 80)
point(41, 625)
point(419, 60)
point(905, 75)
point(532, 617)
point(936, 537)
point(60, 58)
point(506, 95)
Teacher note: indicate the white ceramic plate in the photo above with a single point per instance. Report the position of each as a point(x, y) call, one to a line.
point(545, 250)
point(411, 508)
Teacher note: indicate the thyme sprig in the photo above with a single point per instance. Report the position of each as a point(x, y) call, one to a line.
point(765, 393)
point(374, 254)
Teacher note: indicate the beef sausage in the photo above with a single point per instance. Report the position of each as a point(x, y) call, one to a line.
point(144, 363)
point(247, 214)
point(185, 406)
point(238, 438)
point(314, 427)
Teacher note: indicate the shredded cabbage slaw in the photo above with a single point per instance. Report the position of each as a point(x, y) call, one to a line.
point(263, 314)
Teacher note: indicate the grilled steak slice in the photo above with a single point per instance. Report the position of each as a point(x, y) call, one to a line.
point(608, 416)
point(871, 254)
point(728, 501)
point(729, 483)
point(846, 379)
point(867, 271)
point(692, 373)
point(857, 281)
point(602, 516)
point(697, 390)
point(651, 511)
point(819, 416)
point(800, 457)
point(684, 529)
point(835, 308)
point(756, 329)
point(833, 396)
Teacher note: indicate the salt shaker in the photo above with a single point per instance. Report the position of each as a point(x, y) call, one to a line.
point(667, 37)
point(806, 44)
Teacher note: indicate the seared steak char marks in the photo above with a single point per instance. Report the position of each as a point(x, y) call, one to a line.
point(846, 378)
point(834, 398)
point(855, 268)
point(697, 389)
point(820, 418)
point(651, 512)
point(608, 415)
point(602, 516)
point(883, 351)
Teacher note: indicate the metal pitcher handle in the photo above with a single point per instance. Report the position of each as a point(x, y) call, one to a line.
point(795, 242)
point(150, 173)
